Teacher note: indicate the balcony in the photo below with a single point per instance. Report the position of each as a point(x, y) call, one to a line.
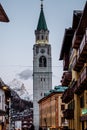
point(84, 76)
point(77, 64)
point(66, 78)
point(67, 95)
point(83, 49)
point(73, 86)
point(68, 114)
point(77, 89)
point(76, 40)
point(81, 82)
point(81, 56)
point(83, 118)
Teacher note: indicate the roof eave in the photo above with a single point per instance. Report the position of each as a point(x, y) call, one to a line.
point(83, 21)
point(4, 17)
point(66, 36)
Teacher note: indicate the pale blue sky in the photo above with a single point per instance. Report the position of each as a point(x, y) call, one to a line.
point(17, 37)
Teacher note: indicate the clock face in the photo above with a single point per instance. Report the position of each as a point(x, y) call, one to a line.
point(42, 51)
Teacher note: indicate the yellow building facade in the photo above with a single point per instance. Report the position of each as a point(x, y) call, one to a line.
point(76, 94)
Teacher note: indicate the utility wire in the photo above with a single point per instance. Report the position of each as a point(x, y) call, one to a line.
point(25, 66)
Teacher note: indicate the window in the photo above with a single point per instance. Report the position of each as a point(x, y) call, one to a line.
point(42, 61)
point(62, 107)
point(0, 98)
point(71, 105)
point(3, 101)
point(82, 102)
point(41, 94)
point(86, 98)
point(62, 119)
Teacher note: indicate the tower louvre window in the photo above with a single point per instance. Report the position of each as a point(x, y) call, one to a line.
point(37, 50)
point(42, 61)
point(42, 37)
point(37, 37)
point(48, 51)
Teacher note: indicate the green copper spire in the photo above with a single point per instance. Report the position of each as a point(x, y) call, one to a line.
point(42, 22)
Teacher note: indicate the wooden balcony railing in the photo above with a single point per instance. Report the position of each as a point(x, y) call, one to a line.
point(76, 88)
point(67, 95)
point(68, 114)
point(84, 76)
point(76, 40)
point(82, 51)
point(83, 118)
point(74, 62)
point(81, 82)
point(81, 57)
point(83, 48)
point(77, 64)
point(73, 85)
point(66, 78)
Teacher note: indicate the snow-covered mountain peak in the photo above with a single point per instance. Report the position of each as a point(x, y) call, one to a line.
point(19, 87)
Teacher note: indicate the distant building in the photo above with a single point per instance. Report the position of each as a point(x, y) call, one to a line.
point(74, 56)
point(42, 65)
point(51, 107)
point(21, 112)
point(5, 101)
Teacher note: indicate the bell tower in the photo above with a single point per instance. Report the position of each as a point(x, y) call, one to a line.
point(42, 65)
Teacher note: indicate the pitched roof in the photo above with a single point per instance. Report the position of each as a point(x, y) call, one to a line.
point(42, 22)
point(57, 89)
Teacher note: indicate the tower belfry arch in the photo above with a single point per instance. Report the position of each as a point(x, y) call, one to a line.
point(42, 64)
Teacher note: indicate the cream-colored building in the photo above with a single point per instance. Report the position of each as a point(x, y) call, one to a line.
point(5, 101)
point(74, 55)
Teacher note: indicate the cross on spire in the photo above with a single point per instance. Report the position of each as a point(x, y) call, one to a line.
point(41, 1)
point(41, 4)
